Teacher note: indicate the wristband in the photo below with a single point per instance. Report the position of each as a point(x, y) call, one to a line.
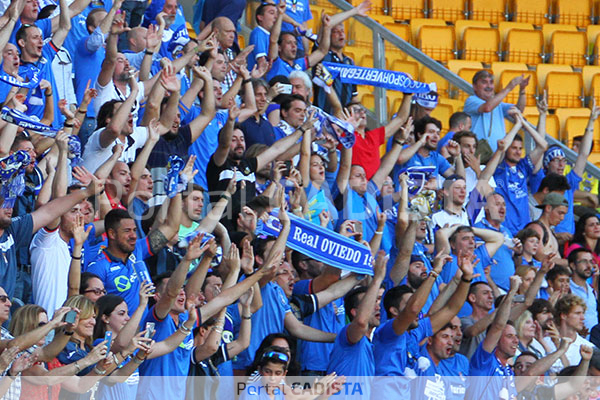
point(99, 372)
point(224, 196)
point(76, 364)
point(462, 278)
point(399, 142)
point(184, 329)
point(48, 95)
point(76, 258)
point(148, 53)
point(67, 125)
point(66, 333)
point(247, 317)
point(433, 274)
point(81, 111)
point(379, 232)
point(138, 360)
point(301, 129)
point(246, 81)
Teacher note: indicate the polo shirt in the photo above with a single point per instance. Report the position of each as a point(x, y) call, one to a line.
point(588, 294)
point(365, 151)
point(482, 123)
point(299, 11)
point(281, 67)
point(259, 37)
point(258, 131)
point(499, 379)
point(504, 265)
point(17, 235)
point(434, 159)
point(120, 278)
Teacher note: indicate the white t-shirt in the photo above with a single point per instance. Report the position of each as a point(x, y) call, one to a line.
point(95, 155)
point(443, 218)
point(110, 92)
point(50, 261)
point(572, 353)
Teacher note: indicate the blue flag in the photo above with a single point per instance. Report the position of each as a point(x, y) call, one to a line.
point(322, 244)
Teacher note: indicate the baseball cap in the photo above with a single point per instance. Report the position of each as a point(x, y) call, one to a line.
point(553, 199)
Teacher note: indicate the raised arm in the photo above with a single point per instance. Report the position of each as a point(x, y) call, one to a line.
point(59, 186)
point(540, 142)
point(495, 332)
point(64, 24)
point(324, 41)
point(120, 117)
point(80, 235)
point(389, 160)
point(209, 108)
point(492, 103)
point(110, 59)
point(137, 169)
point(493, 240)
point(275, 32)
point(360, 10)
point(243, 340)
point(225, 135)
point(586, 144)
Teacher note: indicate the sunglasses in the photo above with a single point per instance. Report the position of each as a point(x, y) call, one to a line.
point(4, 298)
point(96, 291)
point(276, 355)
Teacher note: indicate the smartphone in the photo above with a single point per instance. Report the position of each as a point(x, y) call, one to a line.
point(358, 227)
point(287, 88)
point(70, 317)
point(149, 330)
point(288, 167)
point(108, 339)
point(519, 298)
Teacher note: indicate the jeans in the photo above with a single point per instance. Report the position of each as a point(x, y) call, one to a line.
point(134, 13)
point(88, 126)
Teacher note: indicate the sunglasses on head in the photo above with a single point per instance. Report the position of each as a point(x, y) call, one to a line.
point(276, 356)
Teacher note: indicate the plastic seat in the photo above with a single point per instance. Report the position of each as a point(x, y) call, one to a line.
point(594, 90)
point(462, 24)
point(366, 61)
point(596, 52)
point(456, 65)
point(492, 11)
point(588, 73)
point(575, 126)
point(456, 105)
point(429, 76)
point(569, 48)
point(443, 113)
point(565, 89)
point(499, 67)
point(467, 74)
point(448, 10)
point(361, 35)
point(535, 12)
point(401, 30)
point(530, 90)
point(357, 53)
point(571, 12)
point(552, 122)
point(417, 23)
point(549, 29)
point(592, 33)
point(565, 113)
point(409, 67)
point(524, 46)
point(506, 26)
point(407, 9)
point(481, 44)
point(542, 71)
point(437, 42)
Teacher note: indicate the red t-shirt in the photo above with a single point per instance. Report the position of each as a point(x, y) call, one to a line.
point(366, 151)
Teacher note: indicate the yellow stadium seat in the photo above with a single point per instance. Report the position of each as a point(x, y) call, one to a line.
point(565, 89)
point(552, 123)
point(417, 23)
point(565, 113)
point(192, 33)
point(409, 67)
point(368, 100)
point(437, 42)
point(481, 44)
point(366, 61)
point(456, 65)
point(401, 30)
point(542, 71)
point(383, 19)
point(492, 11)
point(589, 72)
point(456, 105)
point(575, 126)
point(596, 52)
point(571, 12)
point(395, 105)
point(462, 24)
point(407, 9)
point(535, 12)
point(592, 33)
point(530, 90)
point(429, 76)
point(569, 48)
point(524, 46)
point(443, 113)
point(594, 90)
point(448, 10)
point(549, 29)
point(499, 67)
point(356, 53)
point(594, 157)
point(467, 74)
point(506, 26)
point(361, 35)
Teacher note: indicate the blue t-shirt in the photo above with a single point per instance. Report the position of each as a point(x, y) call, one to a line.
point(456, 371)
point(121, 279)
point(259, 37)
point(16, 236)
point(260, 131)
point(444, 141)
point(280, 67)
point(568, 223)
point(299, 11)
point(87, 67)
point(320, 200)
point(498, 378)
point(45, 26)
point(78, 28)
point(72, 353)
point(330, 318)
point(481, 122)
point(268, 319)
point(205, 146)
point(511, 183)
point(448, 377)
point(504, 265)
point(434, 159)
point(164, 377)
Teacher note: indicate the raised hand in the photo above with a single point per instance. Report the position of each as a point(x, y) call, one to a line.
point(586, 352)
point(283, 216)
point(152, 39)
point(189, 170)
point(8, 356)
point(453, 148)
point(147, 290)
point(169, 80)
point(363, 8)
point(95, 187)
point(542, 103)
point(64, 109)
point(89, 94)
point(247, 260)
point(195, 250)
point(80, 234)
point(246, 298)
point(119, 25)
point(440, 260)
point(324, 218)
point(379, 267)
point(515, 282)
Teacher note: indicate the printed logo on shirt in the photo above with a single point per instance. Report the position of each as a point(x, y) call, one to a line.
point(122, 283)
point(7, 244)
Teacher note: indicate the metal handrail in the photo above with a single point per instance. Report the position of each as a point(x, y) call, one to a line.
point(381, 34)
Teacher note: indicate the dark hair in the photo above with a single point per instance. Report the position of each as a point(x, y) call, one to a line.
point(462, 134)
point(538, 306)
point(105, 305)
point(113, 219)
point(352, 300)
point(18, 140)
point(523, 235)
point(261, 10)
point(282, 34)
point(85, 281)
point(460, 229)
point(557, 271)
point(209, 274)
point(546, 236)
point(107, 110)
point(264, 360)
point(22, 33)
point(268, 342)
point(158, 280)
point(457, 118)
point(473, 288)
point(518, 138)
point(580, 139)
point(260, 245)
point(286, 104)
point(554, 183)
point(191, 188)
point(423, 122)
point(393, 296)
point(484, 73)
point(579, 238)
point(572, 258)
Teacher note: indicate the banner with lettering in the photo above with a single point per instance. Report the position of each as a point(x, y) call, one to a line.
point(386, 79)
point(25, 121)
point(322, 244)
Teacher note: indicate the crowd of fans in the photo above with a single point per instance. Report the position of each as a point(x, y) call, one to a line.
point(131, 229)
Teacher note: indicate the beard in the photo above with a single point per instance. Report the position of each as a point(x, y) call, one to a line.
point(415, 281)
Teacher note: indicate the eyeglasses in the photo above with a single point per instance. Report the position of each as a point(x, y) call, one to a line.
point(96, 291)
point(585, 262)
point(4, 298)
point(276, 355)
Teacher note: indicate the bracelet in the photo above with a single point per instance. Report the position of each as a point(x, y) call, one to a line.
point(399, 142)
point(462, 278)
point(433, 274)
point(68, 125)
point(246, 81)
point(76, 364)
point(379, 232)
point(184, 329)
point(99, 372)
point(80, 111)
point(66, 333)
point(138, 360)
point(297, 209)
point(301, 129)
point(115, 359)
point(76, 258)
point(218, 329)
point(224, 196)
point(148, 53)
point(247, 317)
point(48, 95)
